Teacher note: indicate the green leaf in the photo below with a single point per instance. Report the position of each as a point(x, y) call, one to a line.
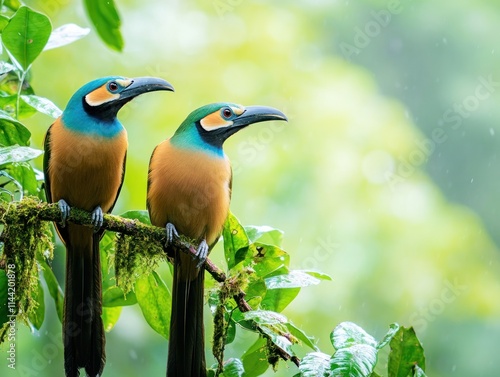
point(3, 298)
point(265, 259)
point(110, 316)
point(37, 316)
point(419, 372)
point(265, 317)
point(235, 241)
point(8, 103)
point(355, 361)
point(231, 332)
point(272, 324)
point(255, 359)
point(142, 216)
point(4, 21)
point(10, 85)
point(12, 4)
point(106, 20)
point(348, 334)
point(106, 248)
point(24, 174)
point(66, 34)
point(18, 154)
point(53, 286)
point(233, 368)
point(255, 291)
point(406, 353)
point(265, 234)
point(42, 105)
point(12, 131)
point(155, 301)
point(393, 329)
point(114, 296)
point(314, 364)
point(278, 299)
point(4, 66)
point(294, 279)
point(301, 335)
point(319, 275)
point(26, 35)
point(280, 340)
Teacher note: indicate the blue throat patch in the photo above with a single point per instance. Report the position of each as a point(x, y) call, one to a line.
point(189, 138)
point(79, 121)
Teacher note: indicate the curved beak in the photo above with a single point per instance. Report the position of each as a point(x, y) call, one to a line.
point(141, 85)
point(255, 114)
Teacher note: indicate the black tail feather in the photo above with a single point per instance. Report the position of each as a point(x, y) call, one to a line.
point(186, 347)
point(83, 331)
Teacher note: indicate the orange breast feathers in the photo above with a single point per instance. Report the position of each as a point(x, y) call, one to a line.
point(85, 171)
point(189, 189)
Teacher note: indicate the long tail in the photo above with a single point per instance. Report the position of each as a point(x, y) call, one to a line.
point(83, 331)
point(186, 347)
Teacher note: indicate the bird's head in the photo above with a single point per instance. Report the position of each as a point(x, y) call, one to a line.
point(97, 103)
point(209, 126)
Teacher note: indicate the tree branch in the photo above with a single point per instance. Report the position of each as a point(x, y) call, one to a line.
point(28, 208)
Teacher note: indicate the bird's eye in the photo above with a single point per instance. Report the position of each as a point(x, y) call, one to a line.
point(226, 112)
point(113, 86)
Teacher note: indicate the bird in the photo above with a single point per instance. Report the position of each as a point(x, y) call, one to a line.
point(189, 192)
point(84, 166)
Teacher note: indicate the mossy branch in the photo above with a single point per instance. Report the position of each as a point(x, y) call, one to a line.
point(29, 210)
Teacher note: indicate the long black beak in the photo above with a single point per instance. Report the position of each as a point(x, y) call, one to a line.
point(141, 85)
point(255, 114)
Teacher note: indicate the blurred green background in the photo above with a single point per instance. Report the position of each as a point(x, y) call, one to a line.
point(385, 176)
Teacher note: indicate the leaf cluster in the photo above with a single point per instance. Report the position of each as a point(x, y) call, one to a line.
point(248, 297)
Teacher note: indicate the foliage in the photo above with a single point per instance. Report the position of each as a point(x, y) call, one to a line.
point(27, 244)
point(257, 272)
point(106, 20)
point(256, 262)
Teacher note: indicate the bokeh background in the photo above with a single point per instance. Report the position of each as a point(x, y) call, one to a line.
point(386, 176)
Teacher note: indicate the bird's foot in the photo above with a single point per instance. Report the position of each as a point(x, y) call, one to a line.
point(65, 210)
point(97, 218)
point(171, 233)
point(201, 253)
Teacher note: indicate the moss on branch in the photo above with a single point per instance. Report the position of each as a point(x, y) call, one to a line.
point(139, 247)
point(30, 209)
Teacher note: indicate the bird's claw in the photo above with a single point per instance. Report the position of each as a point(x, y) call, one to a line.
point(65, 210)
point(171, 233)
point(97, 218)
point(201, 253)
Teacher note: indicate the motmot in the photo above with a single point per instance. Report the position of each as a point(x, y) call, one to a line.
point(189, 190)
point(84, 166)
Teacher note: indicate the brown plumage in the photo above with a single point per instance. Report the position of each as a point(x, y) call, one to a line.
point(189, 189)
point(86, 172)
point(84, 165)
point(192, 191)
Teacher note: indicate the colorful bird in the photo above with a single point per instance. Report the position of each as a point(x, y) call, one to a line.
point(84, 165)
point(189, 190)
